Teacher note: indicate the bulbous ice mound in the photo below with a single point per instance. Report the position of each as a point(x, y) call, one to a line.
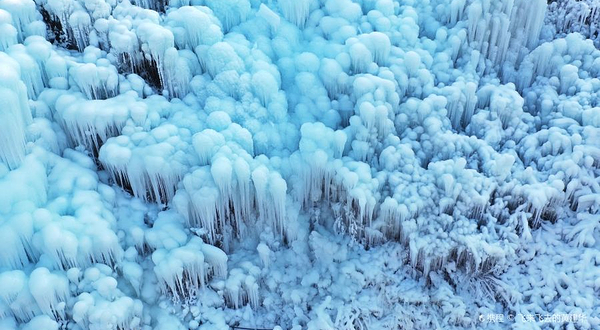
point(299, 164)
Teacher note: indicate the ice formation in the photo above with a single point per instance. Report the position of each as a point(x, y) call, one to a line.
point(299, 164)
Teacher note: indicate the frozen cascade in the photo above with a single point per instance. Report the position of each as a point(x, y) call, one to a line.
point(215, 164)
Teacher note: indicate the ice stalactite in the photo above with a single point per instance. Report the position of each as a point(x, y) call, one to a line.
point(182, 271)
point(270, 194)
point(296, 12)
point(56, 16)
point(264, 86)
point(505, 102)
point(124, 45)
point(462, 102)
point(568, 77)
point(216, 260)
point(102, 297)
point(568, 16)
point(15, 113)
point(269, 16)
point(92, 122)
point(218, 58)
point(360, 55)
point(15, 244)
point(230, 12)
point(194, 26)
point(495, 28)
point(25, 18)
point(15, 294)
point(456, 12)
point(394, 214)
point(379, 46)
point(265, 253)
point(540, 199)
point(73, 228)
point(54, 68)
point(335, 80)
point(31, 72)
point(149, 163)
point(241, 286)
point(158, 6)
point(8, 33)
point(173, 70)
point(50, 291)
point(223, 197)
point(346, 186)
point(286, 133)
point(374, 116)
point(81, 25)
point(98, 81)
point(70, 21)
point(197, 202)
point(317, 145)
point(220, 195)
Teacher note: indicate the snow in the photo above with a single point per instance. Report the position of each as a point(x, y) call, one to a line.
point(298, 164)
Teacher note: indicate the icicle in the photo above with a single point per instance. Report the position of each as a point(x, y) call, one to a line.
point(204, 198)
point(456, 11)
point(222, 173)
point(181, 271)
point(173, 71)
point(50, 291)
point(15, 114)
point(244, 204)
point(81, 25)
point(230, 12)
point(265, 86)
point(157, 5)
point(220, 57)
point(92, 311)
point(151, 163)
point(30, 71)
point(269, 16)
point(333, 77)
point(15, 241)
point(124, 45)
point(379, 45)
point(568, 77)
point(96, 82)
point(295, 11)
point(23, 13)
point(260, 179)
point(199, 26)
point(91, 123)
point(361, 57)
point(265, 254)
point(251, 288)
point(278, 191)
point(14, 292)
point(216, 258)
point(470, 103)
point(8, 33)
